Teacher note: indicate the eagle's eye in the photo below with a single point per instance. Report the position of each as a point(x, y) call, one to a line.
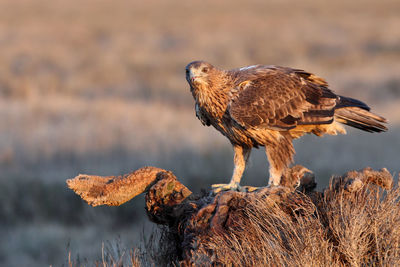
point(205, 69)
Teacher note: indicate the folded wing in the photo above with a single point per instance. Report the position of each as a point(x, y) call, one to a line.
point(282, 98)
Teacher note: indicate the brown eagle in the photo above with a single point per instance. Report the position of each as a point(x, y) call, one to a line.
point(266, 105)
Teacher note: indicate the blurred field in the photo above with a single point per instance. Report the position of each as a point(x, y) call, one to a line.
point(98, 87)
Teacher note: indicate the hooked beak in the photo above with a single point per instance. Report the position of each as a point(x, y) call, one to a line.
point(193, 78)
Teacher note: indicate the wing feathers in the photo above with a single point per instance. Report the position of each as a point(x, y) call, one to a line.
point(361, 119)
point(355, 113)
point(351, 102)
point(281, 98)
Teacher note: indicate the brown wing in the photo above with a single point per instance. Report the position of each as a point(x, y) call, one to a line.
point(281, 98)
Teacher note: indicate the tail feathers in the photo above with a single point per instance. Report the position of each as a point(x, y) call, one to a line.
point(361, 118)
point(351, 102)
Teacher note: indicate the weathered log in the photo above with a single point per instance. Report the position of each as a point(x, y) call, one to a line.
point(196, 219)
point(164, 192)
point(353, 181)
point(115, 190)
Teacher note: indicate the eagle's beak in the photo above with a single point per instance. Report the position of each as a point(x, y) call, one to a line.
point(193, 78)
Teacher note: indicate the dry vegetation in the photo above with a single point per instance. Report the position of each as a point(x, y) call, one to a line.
point(354, 222)
point(68, 66)
point(342, 229)
point(98, 87)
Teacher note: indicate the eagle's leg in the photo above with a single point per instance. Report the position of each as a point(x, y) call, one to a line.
point(280, 154)
point(241, 155)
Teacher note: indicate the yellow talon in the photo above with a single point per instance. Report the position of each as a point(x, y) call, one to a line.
point(216, 188)
point(224, 187)
point(250, 188)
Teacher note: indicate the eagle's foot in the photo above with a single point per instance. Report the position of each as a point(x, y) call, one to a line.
point(249, 189)
point(216, 188)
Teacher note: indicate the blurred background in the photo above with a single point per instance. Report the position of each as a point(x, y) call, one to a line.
point(98, 87)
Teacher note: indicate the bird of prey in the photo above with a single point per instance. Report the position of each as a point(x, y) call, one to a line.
point(269, 106)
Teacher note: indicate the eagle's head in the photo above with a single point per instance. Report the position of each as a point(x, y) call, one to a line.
point(198, 73)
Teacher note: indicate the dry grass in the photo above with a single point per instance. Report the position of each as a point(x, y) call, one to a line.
point(68, 66)
point(119, 66)
point(335, 228)
point(157, 249)
point(353, 222)
point(340, 229)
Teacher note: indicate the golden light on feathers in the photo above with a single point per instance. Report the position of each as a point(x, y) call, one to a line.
point(269, 106)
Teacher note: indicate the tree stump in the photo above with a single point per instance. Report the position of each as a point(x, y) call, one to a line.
point(281, 225)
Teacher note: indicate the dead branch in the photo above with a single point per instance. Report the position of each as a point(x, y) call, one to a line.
point(196, 220)
point(115, 190)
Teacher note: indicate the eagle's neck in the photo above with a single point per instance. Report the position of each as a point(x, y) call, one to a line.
point(213, 95)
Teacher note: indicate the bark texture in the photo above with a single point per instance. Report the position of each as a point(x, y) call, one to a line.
point(197, 221)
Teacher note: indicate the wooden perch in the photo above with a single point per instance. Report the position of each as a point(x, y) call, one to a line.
point(114, 190)
point(353, 181)
point(197, 220)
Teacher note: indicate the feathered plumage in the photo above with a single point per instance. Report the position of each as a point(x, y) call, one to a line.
point(270, 106)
